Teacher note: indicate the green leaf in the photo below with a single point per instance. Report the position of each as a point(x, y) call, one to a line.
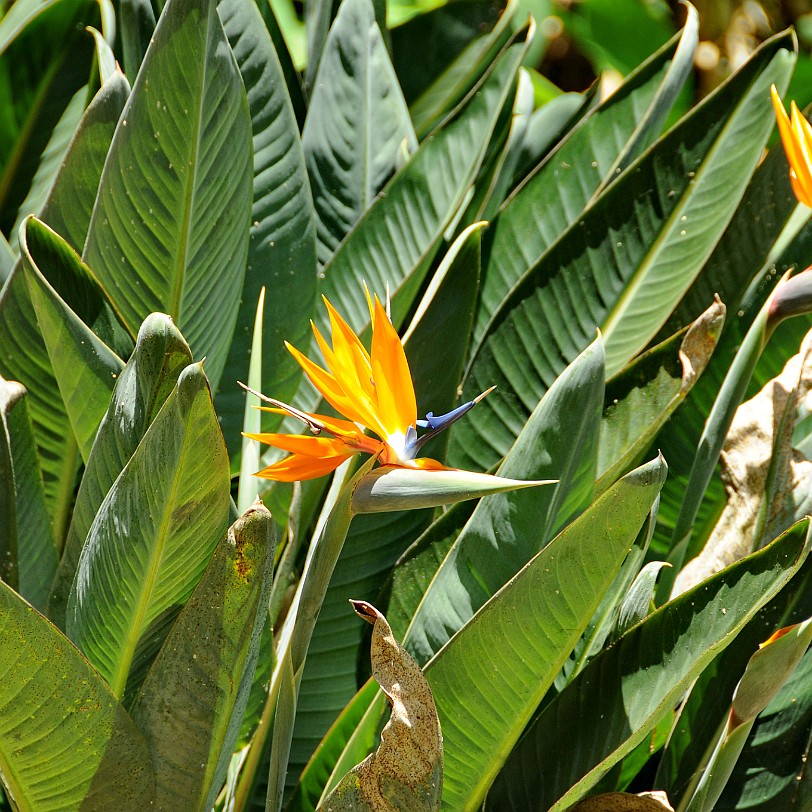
point(503, 667)
point(83, 752)
point(51, 158)
point(160, 355)
point(27, 549)
point(558, 191)
point(137, 21)
point(406, 772)
point(169, 228)
point(85, 367)
point(643, 397)
point(23, 355)
point(505, 532)
point(69, 205)
point(399, 232)
point(439, 56)
point(626, 690)
point(282, 248)
point(45, 57)
point(771, 771)
point(134, 574)
point(627, 261)
point(190, 704)
point(765, 674)
point(357, 127)
point(251, 424)
point(706, 707)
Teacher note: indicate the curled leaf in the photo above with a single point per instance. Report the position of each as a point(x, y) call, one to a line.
point(405, 774)
point(392, 488)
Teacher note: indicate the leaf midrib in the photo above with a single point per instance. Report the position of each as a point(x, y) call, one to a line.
point(119, 678)
point(181, 257)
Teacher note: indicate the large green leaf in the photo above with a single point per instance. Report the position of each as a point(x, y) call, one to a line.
point(505, 658)
point(191, 703)
point(358, 129)
point(152, 537)
point(45, 57)
point(771, 772)
point(506, 531)
point(65, 741)
point(400, 231)
point(27, 548)
point(441, 55)
point(282, 249)
point(622, 694)
point(554, 196)
point(84, 366)
point(642, 398)
point(52, 157)
point(160, 355)
point(708, 704)
point(23, 354)
point(624, 265)
point(170, 226)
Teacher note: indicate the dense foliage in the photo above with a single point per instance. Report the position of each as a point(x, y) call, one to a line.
point(175, 196)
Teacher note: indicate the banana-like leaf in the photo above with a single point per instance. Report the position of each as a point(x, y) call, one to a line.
point(27, 549)
point(771, 772)
point(137, 21)
point(505, 658)
point(505, 532)
point(190, 704)
point(406, 772)
point(644, 396)
point(160, 355)
point(358, 130)
point(320, 16)
point(553, 197)
point(7, 259)
point(282, 248)
point(705, 710)
point(625, 691)
point(623, 266)
point(85, 367)
point(23, 354)
point(765, 674)
point(375, 541)
point(136, 572)
point(439, 56)
point(170, 225)
point(84, 752)
point(45, 57)
point(52, 157)
point(399, 232)
point(769, 202)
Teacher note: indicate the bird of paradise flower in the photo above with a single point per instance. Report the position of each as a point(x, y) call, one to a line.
point(796, 136)
point(373, 390)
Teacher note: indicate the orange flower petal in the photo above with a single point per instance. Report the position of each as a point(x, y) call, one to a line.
point(329, 387)
point(802, 135)
point(795, 137)
point(397, 406)
point(305, 444)
point(295, 468)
